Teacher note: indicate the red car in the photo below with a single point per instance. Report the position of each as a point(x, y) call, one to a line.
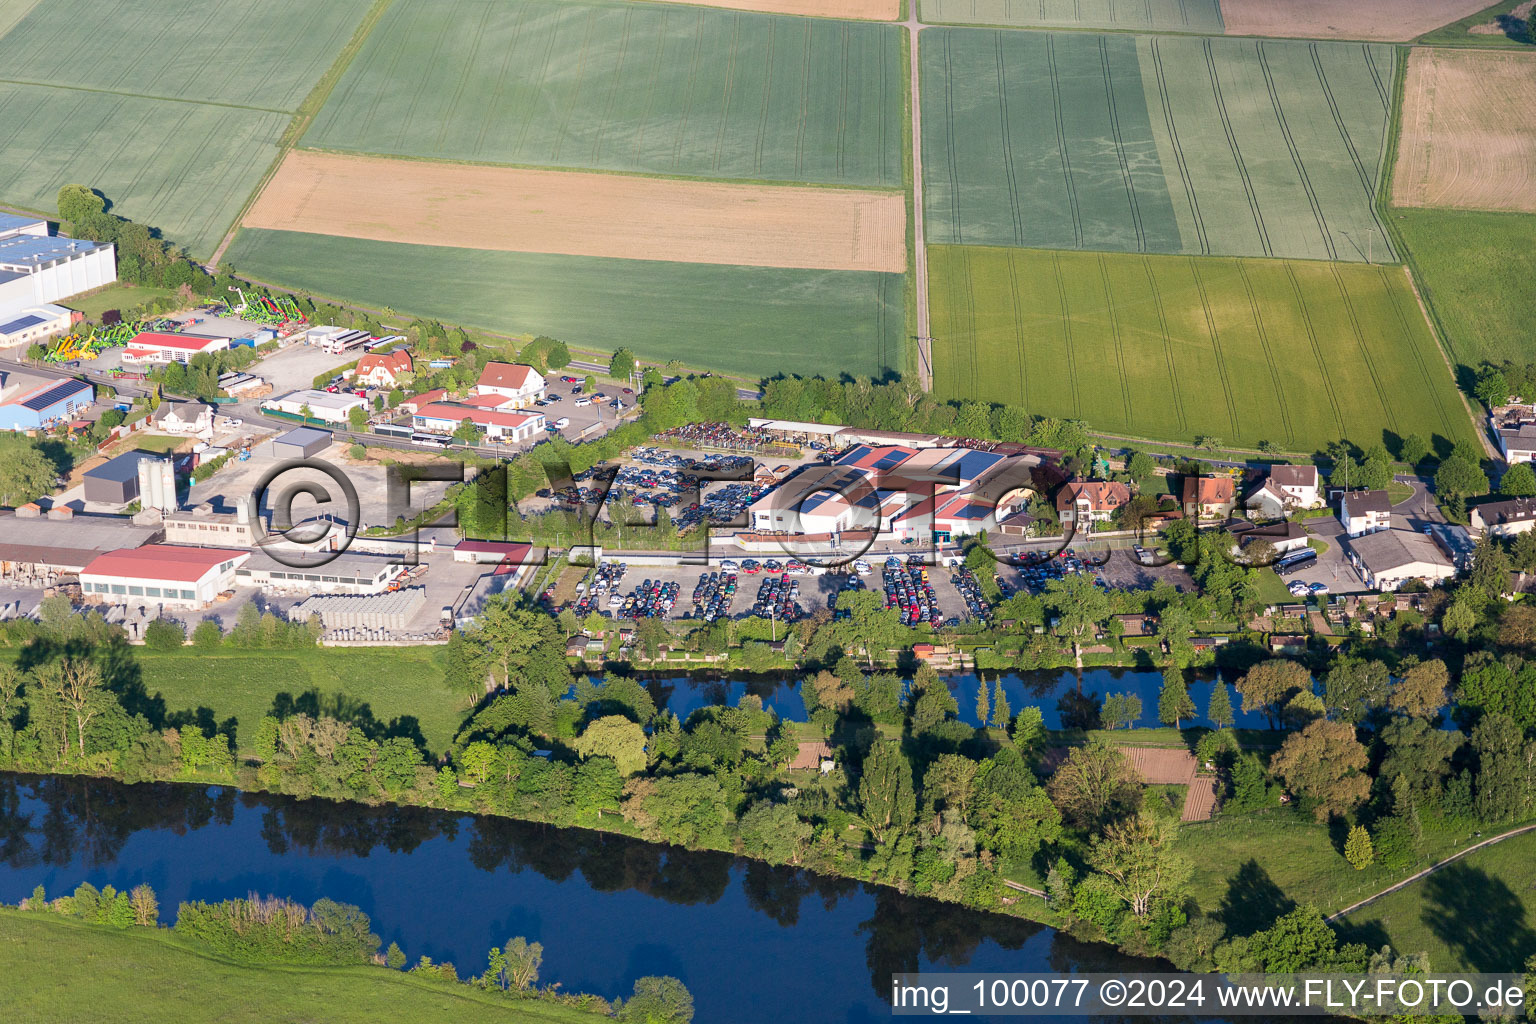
point(570, 380)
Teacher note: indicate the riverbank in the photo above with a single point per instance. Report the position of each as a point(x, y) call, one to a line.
point(65, 971)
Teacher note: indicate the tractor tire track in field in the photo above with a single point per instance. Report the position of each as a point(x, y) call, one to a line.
point(606, 121)
point(1018, 325)
point(1178, 151)
point(1013, 182)
point(730, 89)
point(458, 92)
point(1270, 356)
point(949, 140)
point(1425, 373)
point(542, 80)
point(365, 123)
point(693, 70)
point(581, 81)
point(1173, 366)
point(762, 117)
point(1387, 406)
point(1296, 160)
point(501, 81)
point(1221, 356)
point(1125, 164)
point(1061, 143)
point(407, 119)
point(1114, 327)
point(1066, 331)
point(638, 153)
point(1237, 155)
point(1381, 87)
point(1367, 179)
point(805, 102)
point(842, 110)
point(1317, 349)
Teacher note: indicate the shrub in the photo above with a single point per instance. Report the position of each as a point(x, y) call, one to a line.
point(271, 930)
point(165, 635)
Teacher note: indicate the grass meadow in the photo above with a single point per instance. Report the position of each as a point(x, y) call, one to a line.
point(754, 321)
point(639, 87)
point(1172, 144)
point(1478, 273)
point(1478, 914)
point(1297, 353)
point(351, 683)
point(62, 970)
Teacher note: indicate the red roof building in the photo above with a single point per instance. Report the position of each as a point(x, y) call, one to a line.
point(1085, 501)
point(498, 424)
point(161, 573)
point(158, 347)
point(383, 369)
point(521, 385)
point(415, 402)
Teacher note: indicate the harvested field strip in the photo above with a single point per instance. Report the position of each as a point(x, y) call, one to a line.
point(1206, 146)
point(1377, 20)
point(584, 214)
point(650, 88)
point(745, 320)
point(257, 53)
point(1124, 15)
point(185, 168)
point(1294, 352)
point(1461, 144)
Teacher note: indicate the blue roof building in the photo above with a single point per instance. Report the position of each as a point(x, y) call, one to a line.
point(37, 405)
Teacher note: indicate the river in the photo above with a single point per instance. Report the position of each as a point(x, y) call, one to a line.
point(753, 943)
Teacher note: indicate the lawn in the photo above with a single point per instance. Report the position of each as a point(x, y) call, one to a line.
point(380, 684)
point(1298, 353)
point(1476, 272)
point(1478, 914)
point(1125, 15)
point(116, 296)
point(648, 88)
point(1457, 34)
point(59, 970)
point(1207, 146)
point(745, 320)
point(1251, 867)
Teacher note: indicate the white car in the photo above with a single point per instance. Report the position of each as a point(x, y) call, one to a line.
point(583, 401)
point(562, 423)
point(862, 567)
point(727, 566)
point(1299, 588)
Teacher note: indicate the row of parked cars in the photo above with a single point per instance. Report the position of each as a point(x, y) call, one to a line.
point(713, 595)
point(969, 587)
point(777, 597)
point(652, 599)
point(721, 505)
point(908, 590)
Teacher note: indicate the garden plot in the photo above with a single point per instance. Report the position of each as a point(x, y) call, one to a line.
point(1169, 144)
point(640, 87)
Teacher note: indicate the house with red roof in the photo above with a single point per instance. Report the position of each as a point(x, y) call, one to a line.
point(383, 369)
point(505, 425)
point(162, 347)
point(1209, 497)
point(1090, 501)
point(169, 574)
point(521, 385)
point(415, 402)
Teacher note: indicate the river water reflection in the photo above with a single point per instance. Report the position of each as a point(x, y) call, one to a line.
point(753, 943)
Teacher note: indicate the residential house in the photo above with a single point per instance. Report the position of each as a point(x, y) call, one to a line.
point(1362, 512)
point(1503, 518)
point(1209, 497)
point(413, 403)
point(184, 418)
point(1090, 501)
point(383, 369)
point(1283, 537)
point(1389, 558)
point(521, 385)
point(1284, 490)
point(1514, 427)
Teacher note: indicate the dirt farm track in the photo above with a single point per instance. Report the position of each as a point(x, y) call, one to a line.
point(584, 214)
point(1467, 140)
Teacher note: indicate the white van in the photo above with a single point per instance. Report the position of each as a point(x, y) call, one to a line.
point(562, 423)
point(583, 401)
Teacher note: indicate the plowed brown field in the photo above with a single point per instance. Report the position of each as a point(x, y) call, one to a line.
point(584, 214)
point(1467, 138)
point(1387, 20)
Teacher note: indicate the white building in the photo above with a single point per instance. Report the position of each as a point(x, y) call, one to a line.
point(520, 385)
point(34, 324)
point(159, 347)
point(1389, 558)
point(1363, 512)
point(37, 268)
point(184, 418)
point(345, 574)
point(161, 573)
point(505, 425)
point(336, 340)
point(1286, 489)
point(330, 406)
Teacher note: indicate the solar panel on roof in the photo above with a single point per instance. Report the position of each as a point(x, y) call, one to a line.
point(891, 460)
point(20, 324)
point(57, 393)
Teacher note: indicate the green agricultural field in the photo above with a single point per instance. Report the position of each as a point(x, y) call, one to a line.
point(390, 683)
point(265, 54)
point(744, 320)
point(1458, 33)
point(647, 88)
point(1206, 146)
point(60, 970)
point(1298, 353)
point(1124, 15)
point(173, 110)
point(1478, 914)
point(1478, 273)
point(185, 168)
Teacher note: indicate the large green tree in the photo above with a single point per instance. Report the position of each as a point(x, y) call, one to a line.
point(25, 472)
point(886, 799)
